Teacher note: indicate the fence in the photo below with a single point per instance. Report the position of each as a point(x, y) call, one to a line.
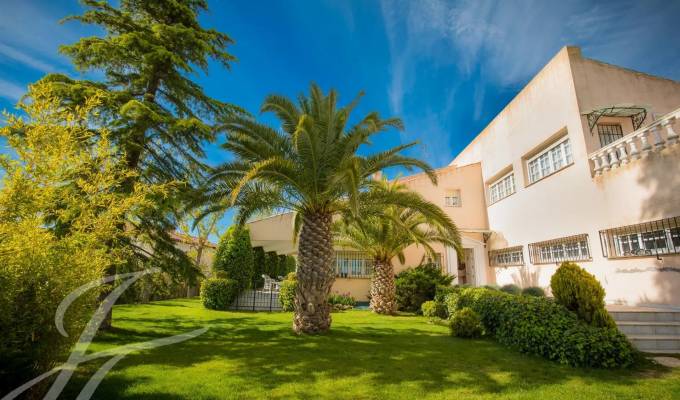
point(257, 300)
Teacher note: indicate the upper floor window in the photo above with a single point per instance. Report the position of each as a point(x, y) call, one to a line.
point(550, 161)
point(502, 188)
point(653, 238)
point(506, 257)
point(452, 199)
point(571, 248)
point(609, 133)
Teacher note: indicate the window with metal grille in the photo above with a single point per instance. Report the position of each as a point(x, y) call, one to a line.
point(502, 188)
point(570, 248)
point(352, 264)
point(609, 133)
point(437, 261)
point(452, 199)
point(506, 257)
point(550, 161)
point(653, 238)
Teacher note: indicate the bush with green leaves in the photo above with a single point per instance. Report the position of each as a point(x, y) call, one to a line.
point(511, 288)
point(541, 326)
point(418, 285)
point(258, 267)
point(287, 292)
point(466, 323)
point(219, 293)
point(291, 264)
point(434, 309)
point(341, 302)
point(579, 291)
point(271, 264)
point(533, 291)
point(234, 256)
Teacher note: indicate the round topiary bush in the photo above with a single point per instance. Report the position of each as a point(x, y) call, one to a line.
point(287, 292)
point(511, 288)
point(533, 291)
point(234, 256)
point(580, 292)
point(466, 323)
point(218, 293)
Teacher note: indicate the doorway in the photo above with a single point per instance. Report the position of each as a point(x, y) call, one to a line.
point(466, 268)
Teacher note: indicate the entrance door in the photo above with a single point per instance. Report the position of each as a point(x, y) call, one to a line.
point(466, 268)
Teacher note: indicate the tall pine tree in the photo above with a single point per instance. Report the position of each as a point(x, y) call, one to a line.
point(158, 117)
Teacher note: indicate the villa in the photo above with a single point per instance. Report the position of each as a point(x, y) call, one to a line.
point(582, 165)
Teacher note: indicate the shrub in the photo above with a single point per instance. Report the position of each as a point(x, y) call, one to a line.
point(287, 292)
point(418, 285)
point(511, 288)
point(271, 264)
point(341, 301)
point(291, 264)
point(533, 291)
point(466, 323)
point(234, 256)
point(434, 309)
point(580, 292)
point(492, 287)
point(219, 293)
point(541, 326)
point(258, 267)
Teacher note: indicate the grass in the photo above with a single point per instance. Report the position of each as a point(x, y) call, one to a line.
point(255, 355)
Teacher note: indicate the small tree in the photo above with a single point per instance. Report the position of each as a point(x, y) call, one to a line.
point(580, 292)
point(234, 256)
point(259, 259)
point(271, 264)
point(281, 270)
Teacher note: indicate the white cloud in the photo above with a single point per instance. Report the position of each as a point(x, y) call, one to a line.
point(10, 90)
point(24, 58)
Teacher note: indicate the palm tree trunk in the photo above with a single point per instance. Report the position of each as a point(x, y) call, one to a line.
point(383, 290)
point(315, 275)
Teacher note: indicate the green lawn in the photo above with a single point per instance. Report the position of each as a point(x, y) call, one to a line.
point(255, 355)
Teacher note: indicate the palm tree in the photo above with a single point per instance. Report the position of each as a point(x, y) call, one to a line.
point(310, 166)
point(385, 233)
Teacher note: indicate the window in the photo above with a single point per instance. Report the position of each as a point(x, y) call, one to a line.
point(550, 161)
point(352, 264)
point(506, 257)
point(502, 188)
point(437, 261)
point(646, 239)
point(609, 133)
point(570, 248)
point(452, 199)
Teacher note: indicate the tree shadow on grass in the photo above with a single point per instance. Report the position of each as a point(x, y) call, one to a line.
point(251, 355)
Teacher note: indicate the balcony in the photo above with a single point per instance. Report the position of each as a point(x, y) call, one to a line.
point(653, 137)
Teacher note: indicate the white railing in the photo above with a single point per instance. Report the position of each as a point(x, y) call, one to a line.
point(637, 144)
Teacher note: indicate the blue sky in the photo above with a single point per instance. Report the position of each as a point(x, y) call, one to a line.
point(446, 67)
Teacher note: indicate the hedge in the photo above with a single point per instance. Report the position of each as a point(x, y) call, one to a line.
point(538, 325)
point(258, 267)
point(219, 293)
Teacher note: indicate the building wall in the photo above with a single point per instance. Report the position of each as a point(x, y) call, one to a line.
point(572, 201)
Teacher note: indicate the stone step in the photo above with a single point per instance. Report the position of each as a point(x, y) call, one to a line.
point(656, 343)
point(653, 315)
point(649, 328)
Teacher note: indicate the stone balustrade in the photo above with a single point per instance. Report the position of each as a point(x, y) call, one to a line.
point(653, 137)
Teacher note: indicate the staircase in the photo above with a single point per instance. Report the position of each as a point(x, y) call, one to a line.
point(651, 330)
